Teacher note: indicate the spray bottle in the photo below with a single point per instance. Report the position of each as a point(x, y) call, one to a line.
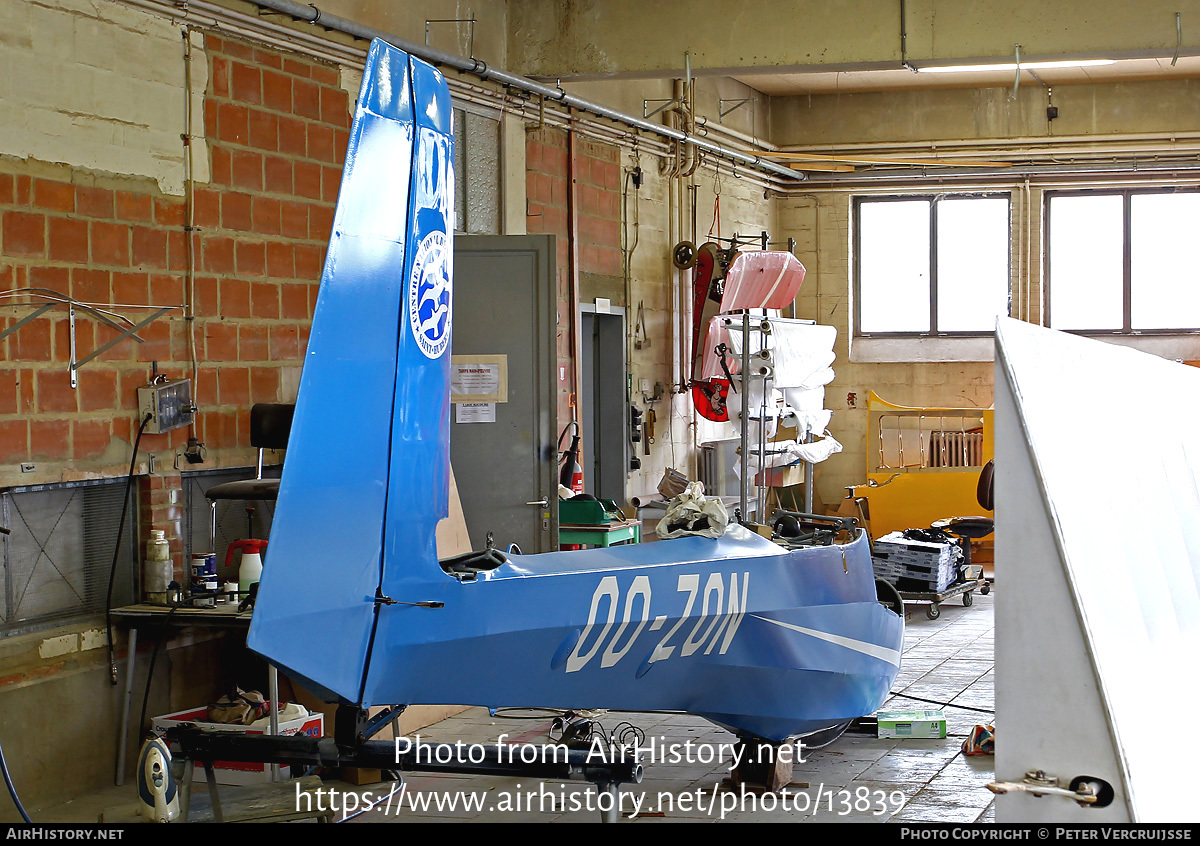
point(250, 570)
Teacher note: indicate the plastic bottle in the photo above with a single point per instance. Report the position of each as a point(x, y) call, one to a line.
point(157, 571)
point(250, 569)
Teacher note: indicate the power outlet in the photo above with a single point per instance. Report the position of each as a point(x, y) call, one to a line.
point(168, 403)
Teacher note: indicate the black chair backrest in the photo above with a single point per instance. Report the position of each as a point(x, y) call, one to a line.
point(983, 491)
point(270, 424)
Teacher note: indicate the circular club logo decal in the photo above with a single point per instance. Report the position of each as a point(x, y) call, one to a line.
point(429, 295)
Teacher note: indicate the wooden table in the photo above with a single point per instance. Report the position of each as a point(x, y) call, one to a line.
point(604, 534)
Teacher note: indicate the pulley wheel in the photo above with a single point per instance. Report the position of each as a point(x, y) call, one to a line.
point(684, 255)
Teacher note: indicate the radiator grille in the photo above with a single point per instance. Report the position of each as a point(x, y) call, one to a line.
point(955, 449)
point(57, 560)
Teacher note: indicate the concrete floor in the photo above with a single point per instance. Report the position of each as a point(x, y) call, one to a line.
point(858, 778)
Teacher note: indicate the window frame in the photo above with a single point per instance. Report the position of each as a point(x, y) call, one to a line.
point(1126, 194)
point(934, 200)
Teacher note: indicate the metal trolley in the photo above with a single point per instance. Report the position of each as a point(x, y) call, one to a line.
point(964, 589)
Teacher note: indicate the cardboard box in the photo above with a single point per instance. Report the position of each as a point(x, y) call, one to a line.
point(781, 477)
point(922, 566)
point(238, 772)
point(906, 724)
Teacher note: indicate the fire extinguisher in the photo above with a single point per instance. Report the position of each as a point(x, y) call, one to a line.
point(571, 474)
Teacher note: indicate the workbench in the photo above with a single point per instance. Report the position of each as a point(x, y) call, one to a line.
point(601, 534)
point(221, 616)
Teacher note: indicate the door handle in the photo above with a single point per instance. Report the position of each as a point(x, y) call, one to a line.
point(544, 502)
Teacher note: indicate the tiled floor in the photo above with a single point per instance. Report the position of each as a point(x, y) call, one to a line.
point(948, 663)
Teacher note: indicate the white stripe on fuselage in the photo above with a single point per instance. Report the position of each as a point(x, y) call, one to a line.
point(892, 656)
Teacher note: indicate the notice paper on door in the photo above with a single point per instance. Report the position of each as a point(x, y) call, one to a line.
point(478, 378)
point(475, 412)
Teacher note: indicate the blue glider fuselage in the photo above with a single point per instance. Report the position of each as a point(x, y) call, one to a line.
point(766, 641)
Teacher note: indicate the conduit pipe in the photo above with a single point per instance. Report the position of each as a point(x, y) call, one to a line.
point(205, 13)
point(954, 145)
point(917, 176)
point(314, 15)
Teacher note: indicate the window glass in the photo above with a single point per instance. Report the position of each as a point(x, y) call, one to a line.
point(1165, 261)
point(962, 291)
point(893, 266)
point(1086, 262)
point(972, 263)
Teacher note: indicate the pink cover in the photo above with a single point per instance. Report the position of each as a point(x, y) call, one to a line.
point(762, 279)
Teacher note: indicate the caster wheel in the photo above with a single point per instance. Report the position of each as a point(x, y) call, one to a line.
point(933, 612)
point(986, 589)
point(684, 255)
point(968, 599)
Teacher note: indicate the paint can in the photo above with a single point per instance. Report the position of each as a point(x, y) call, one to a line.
point(203, 582)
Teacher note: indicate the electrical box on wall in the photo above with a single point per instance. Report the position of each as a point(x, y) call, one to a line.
point(169, 404)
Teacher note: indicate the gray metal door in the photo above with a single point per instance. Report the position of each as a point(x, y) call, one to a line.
point(505, 305)
point(603, 407)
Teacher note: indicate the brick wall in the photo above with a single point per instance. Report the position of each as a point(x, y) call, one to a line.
point(276, 128)
point(597, 177)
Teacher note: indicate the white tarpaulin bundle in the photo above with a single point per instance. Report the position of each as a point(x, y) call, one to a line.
point(693, 513)
point(794, 357)
point(800, 352)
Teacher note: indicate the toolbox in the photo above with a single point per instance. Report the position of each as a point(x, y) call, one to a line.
point(588, 512)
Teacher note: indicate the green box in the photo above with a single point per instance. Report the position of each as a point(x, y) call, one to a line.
point(588, 512)
point(909, 724)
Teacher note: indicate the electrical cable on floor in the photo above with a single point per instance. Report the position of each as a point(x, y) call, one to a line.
point(399, 785)
point(12, 790)
point(112, 573)
point(528, 713)
point(945, 704)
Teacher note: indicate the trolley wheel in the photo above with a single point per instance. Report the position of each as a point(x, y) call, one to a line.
point(933, 612)
point(684, 255)
point(986, 589)
point(968, 599)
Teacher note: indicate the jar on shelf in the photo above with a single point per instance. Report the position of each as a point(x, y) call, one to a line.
point(157, 571)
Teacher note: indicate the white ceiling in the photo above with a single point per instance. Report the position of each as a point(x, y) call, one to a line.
point(834, 82)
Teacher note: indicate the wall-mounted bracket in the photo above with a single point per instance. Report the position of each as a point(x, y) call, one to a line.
point(737, 104)
point(687, 88)
point(666, 104)
point(470, 31)
point(73, 306)
point(127, 333)
point(11, 329)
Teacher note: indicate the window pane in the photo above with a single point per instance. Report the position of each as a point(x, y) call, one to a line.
point(972, 264)
point(482, 175)
point(893, 266)
point(1086, 245)
point(1165, 261)
point(460, 171)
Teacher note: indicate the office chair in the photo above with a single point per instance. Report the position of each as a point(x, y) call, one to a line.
point(270, 425)
point(973, 528)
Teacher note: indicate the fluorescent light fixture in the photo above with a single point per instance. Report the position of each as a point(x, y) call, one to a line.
point(1012, 66)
